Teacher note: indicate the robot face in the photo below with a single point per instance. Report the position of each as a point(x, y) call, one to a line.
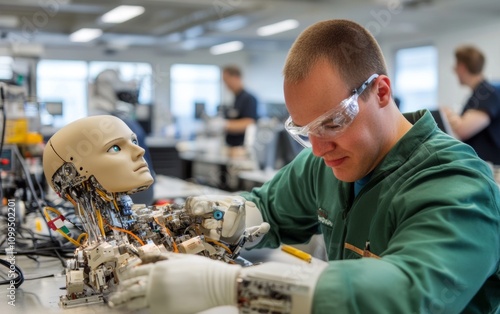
point(99, 146)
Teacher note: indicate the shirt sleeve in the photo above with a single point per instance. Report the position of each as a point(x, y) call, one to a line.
point(248, 107)
point(287, 204)
point(485, 98)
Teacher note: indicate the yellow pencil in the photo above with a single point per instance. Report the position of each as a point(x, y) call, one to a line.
point(296, 252)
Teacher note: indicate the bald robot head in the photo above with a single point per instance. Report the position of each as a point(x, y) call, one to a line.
point(100, 146)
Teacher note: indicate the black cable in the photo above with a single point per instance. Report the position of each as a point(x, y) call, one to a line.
point(18, 281)
point(38, 202)
point(49, 251)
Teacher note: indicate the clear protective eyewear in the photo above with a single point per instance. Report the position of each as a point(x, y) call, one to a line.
point(333, 122)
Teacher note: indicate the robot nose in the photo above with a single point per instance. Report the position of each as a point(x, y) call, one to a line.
point(138, 151)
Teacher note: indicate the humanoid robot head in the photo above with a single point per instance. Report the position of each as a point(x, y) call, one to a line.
point(102, 147)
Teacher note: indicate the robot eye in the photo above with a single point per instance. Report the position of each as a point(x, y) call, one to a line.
point(134, 140)
point(218, 214)
point(114, 149)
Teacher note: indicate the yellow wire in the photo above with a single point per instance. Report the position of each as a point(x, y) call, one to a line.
point(116, 204)
point(126, 231)
point(79, 239)
point(68, 238)
point(103, 195)
point(48, 208)
point(71, 200)
point(100, 222)
point(58, 213)
point(219, 244)
point(176, 249)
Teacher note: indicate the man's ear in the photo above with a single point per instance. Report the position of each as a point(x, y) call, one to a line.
point(383, 89)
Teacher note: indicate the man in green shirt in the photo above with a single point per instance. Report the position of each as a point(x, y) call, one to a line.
point(409, 215)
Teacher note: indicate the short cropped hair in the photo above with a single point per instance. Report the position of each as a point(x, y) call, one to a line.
point(471, 57)
point(347, 46)
point(232, 70)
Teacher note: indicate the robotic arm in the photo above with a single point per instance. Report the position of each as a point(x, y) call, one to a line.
point(185, 284)
point(226, 218)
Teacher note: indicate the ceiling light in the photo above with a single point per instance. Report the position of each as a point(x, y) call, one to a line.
point(122, 13)
point(226, 47)
point(85, 34)
point(277, 27)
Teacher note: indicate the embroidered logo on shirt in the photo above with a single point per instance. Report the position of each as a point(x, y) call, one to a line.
point(323, 217)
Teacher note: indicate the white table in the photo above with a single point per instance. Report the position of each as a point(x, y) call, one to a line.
point(171, 188)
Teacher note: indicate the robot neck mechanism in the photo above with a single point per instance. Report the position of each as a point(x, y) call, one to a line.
point(99, 210)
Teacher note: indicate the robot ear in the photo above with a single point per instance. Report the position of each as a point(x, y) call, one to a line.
point(233, 219)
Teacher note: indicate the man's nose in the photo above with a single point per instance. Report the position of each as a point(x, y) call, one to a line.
point(321, 146)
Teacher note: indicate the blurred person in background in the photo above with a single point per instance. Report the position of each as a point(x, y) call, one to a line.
point(240, 115)
point(479, 122)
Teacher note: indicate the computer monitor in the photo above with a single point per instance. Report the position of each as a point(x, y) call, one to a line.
point(286, 150)
point(199, 110)
point(277, 110)
point(55, 108)
point(442, 121)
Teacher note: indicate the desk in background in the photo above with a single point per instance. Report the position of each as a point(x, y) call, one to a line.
point(172, 188)
point(165, 157)
point(215, 169)
point(255, 178)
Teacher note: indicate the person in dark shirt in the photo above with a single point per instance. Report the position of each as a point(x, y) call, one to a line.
point(479, 123)
point(244, 111)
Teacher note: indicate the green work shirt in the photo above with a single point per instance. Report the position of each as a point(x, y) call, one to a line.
point(422, 236)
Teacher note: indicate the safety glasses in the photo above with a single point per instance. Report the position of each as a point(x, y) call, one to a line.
point(333, 122)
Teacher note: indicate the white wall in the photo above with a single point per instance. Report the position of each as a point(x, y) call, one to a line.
point(264, 75)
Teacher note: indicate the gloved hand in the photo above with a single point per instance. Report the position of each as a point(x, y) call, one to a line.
point(191, 283)
point(215, 126)
point(224, 216)
point(184, 283)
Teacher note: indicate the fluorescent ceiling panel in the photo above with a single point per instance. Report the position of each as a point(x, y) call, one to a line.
point(226, 47)
point(85, 34)
point(276, 28)
point(122, 13)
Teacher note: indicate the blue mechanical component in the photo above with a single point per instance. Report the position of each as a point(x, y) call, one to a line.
point(126, 205)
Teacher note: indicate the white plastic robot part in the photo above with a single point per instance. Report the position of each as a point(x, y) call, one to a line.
point(192, 246)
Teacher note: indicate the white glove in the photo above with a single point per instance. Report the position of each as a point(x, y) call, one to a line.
point(224, 217)
point(191, 283)
point(184, 283)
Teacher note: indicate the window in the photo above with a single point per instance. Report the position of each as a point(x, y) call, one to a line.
point(192, 84)
point(416, 78)
point(5, 68)
point(68, 82)
point(193, 88)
